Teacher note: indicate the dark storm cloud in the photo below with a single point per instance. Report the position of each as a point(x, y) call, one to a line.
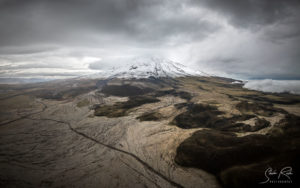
point(278, 67)
point(271, 50)
point(252, 12)
point(130, 22)
point(90, 23)
point(53, 21)
point(233, 36)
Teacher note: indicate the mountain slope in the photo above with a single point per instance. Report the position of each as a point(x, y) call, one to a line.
point(149, 67)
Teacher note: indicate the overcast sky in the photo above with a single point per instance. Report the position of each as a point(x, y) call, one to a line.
point(250, 39)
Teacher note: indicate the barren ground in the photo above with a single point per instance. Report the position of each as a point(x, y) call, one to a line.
point(48, 142)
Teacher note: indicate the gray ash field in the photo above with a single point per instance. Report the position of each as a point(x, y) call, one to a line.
point(191, 131)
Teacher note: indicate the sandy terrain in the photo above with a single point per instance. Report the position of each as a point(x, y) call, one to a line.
point(61, 145)
point(51, 137)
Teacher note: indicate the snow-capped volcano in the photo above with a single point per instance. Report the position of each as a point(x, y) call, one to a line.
point(149, 67)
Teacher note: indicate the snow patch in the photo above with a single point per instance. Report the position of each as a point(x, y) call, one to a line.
point(148, 67)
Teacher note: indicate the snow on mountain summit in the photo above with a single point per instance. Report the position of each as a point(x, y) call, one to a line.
point(149, 67)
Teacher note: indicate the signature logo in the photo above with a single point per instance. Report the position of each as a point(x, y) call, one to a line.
point(282, 176)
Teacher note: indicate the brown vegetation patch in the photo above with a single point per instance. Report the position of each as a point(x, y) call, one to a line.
point(242, 127)
point(83, 103)
point(207, 116)
point(121, 108)
point(18, 102)
point(150, 116)
point(242, 161)
point(181, 94)
point(63, 94)
point(181, 105)
point(197, 115)
point(258, 108)
point(274, 99)
point(124, 90)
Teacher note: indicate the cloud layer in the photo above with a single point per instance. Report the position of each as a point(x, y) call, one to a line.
point(274, 86)
point(241, 39)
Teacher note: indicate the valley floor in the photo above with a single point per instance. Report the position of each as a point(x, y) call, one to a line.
point(79, 134)
point(58, 144)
